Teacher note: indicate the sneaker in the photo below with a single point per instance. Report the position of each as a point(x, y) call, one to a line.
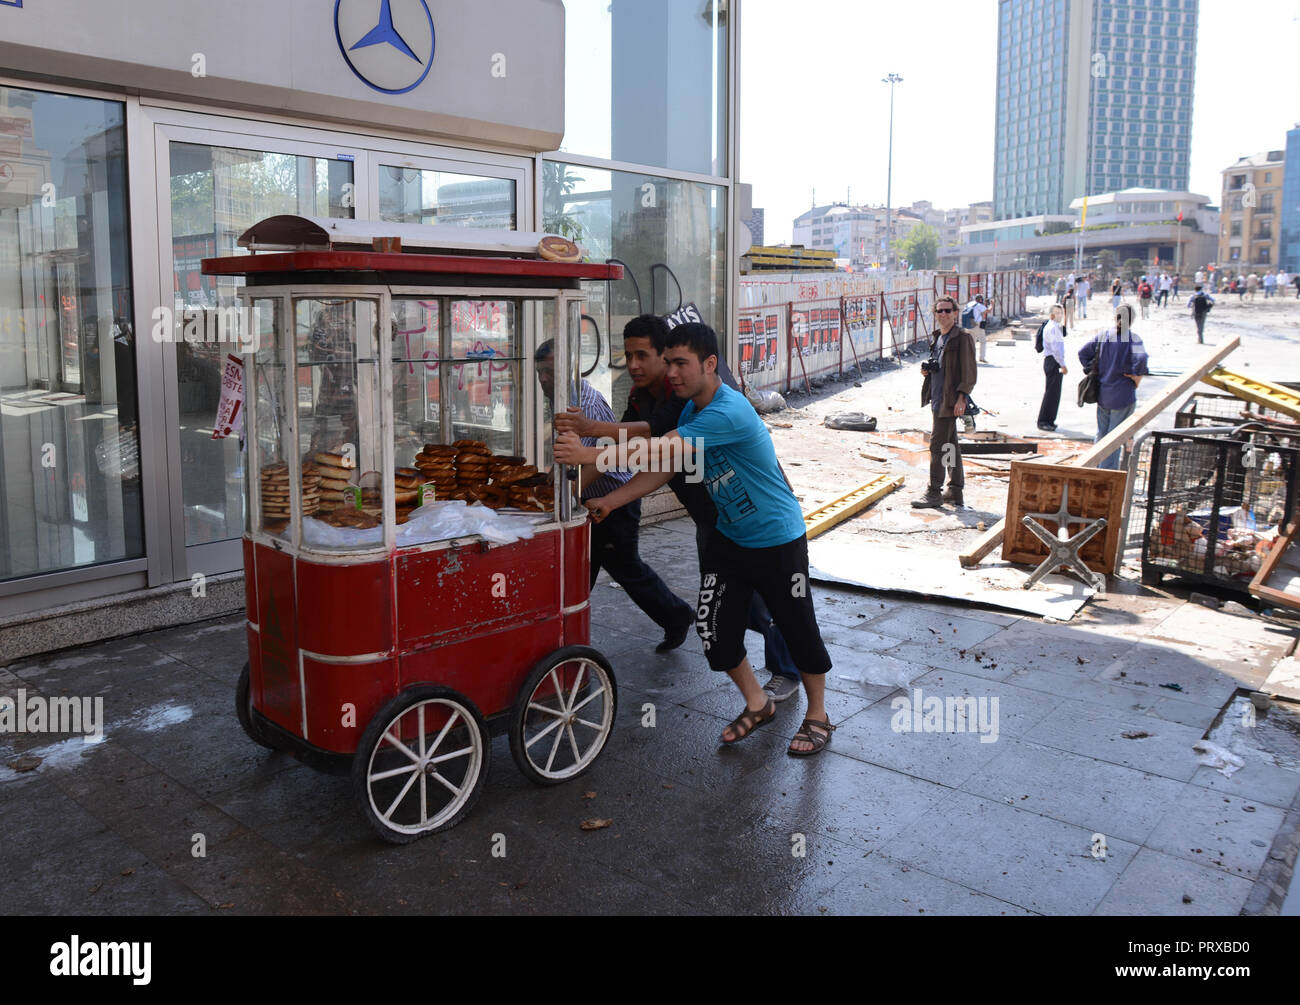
point(780, 687)
point(953, 496)
point(1046, 428)
point(674, 637)
point(932, 499)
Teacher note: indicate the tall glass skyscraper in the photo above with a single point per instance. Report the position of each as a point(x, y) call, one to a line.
point(1289, 254)
point(1092, 96)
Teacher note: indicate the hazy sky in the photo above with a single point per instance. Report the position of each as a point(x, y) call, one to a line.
point(814, 113)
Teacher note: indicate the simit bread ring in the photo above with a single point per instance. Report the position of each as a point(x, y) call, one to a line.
point(558, 249)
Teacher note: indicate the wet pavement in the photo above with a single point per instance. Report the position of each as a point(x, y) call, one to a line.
point(1087, 799)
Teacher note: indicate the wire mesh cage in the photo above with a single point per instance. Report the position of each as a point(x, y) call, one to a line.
point(1216, 503)
point(1206, 408)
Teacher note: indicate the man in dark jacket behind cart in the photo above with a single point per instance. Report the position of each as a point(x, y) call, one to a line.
point(654, 410)
point(615, 540)
point(950, 375)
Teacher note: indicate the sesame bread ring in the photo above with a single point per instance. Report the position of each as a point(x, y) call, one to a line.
point(335, 460)
point(558, 249)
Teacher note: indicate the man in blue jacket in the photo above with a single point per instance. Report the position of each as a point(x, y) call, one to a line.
point(1121, 362)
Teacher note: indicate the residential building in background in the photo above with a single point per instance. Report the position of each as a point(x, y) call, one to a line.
point(1250, 232)
point(857, 233)
point(755, 225)
point(1289, 215)
point(1092, 96)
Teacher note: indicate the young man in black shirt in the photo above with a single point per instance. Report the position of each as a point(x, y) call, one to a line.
point(654, 410)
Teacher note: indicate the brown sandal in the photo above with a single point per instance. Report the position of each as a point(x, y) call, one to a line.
point(806, 734)
point(750, 720)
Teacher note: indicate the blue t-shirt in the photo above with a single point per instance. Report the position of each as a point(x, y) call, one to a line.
point(756, 508)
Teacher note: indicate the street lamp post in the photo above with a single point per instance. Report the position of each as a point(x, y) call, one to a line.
point(891, 80)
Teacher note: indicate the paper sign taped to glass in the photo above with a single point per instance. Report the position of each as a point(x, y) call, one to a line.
point(230, 411)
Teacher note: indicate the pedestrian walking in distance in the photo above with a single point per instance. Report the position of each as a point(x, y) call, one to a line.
point(949, 377)
point(1116, 293)
point(1067, 305)
point(1053, 369)
point(1121, 361)
point(1200, 302)
point(1144, 296)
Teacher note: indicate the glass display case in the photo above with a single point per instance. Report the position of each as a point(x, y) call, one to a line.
point(450, 393)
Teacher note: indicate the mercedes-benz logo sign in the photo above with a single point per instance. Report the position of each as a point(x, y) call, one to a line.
point(387, 43)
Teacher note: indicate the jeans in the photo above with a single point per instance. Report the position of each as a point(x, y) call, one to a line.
point(776, 654)
point(1200, 326)
point(1051, 394)
point(1108, 419)
point(614, 546)
point(1083, 305)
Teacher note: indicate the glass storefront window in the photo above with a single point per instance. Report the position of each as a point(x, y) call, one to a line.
point(646, 82)
point(412, 195)
point(69, 442)
point(671, 236)
point(216, 194)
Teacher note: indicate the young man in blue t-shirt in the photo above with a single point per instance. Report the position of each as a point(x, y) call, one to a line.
point(760, 545)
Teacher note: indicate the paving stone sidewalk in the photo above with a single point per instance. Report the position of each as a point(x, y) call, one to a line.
point(1061, 814)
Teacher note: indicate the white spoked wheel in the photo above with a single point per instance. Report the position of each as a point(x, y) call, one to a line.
point(421, 763)
point(564, 715)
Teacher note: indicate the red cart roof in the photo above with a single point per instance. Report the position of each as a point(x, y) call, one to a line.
point(375, 261)
point(296, 244)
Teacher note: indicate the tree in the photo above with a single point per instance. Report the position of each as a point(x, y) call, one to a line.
point(1133, 267)
point(1106, 263)
point(557, 185)
point(921, 247)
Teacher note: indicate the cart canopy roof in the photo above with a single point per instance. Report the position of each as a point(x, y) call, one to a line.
point(316, 233)
point(284, 248)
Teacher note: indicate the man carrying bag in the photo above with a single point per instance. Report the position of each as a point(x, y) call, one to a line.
point(949, 377)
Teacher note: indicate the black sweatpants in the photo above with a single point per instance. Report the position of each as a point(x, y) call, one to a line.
point(1052, 393)
point(614, 544)
point(730, 576)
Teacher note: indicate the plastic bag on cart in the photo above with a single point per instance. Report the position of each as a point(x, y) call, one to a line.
point(452, 518)
point(319, 534)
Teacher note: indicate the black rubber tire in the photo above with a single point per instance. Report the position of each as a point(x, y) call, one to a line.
point(518, 716)
point(244, 710)
point(370, 739)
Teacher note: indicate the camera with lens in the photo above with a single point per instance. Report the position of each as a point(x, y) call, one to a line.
point(930, 365)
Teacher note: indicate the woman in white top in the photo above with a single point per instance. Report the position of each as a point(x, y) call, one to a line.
point(1053, 368)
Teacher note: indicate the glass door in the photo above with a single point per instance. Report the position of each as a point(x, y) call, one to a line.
point(213, 186)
